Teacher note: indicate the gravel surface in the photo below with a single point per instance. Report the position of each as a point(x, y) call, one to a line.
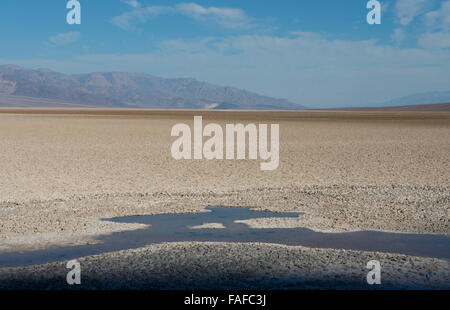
point(415, 209)
point(346, 171)
point(234, 266)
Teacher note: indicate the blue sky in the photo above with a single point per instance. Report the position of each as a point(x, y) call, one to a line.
point(315, 53)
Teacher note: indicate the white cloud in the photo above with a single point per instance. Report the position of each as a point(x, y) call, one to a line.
point(439, 19)
point(398, 36)
point(438, 28)
point(225, 17)
point(306, 68)
point(132, 3)
point(65, 38)
point(128, 20)
point(407, 10)
point(435, 40)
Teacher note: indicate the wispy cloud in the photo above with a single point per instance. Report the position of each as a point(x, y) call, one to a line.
point(438, 28)
point(132, 3)
point(407, 10)
point(304, 67)
point(439, 19)
point(398, 35)
point(128, 20)
point(435, 30)
point(438, 40)
point(64, 38)
point(224, 17)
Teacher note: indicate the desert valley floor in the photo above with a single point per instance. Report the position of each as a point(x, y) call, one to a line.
point(63, 171)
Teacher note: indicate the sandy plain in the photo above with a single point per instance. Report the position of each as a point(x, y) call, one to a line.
point(64, 170)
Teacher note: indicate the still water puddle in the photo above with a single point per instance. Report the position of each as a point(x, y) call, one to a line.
point(176, 228)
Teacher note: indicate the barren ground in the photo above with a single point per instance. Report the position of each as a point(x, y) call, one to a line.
point(63, 170)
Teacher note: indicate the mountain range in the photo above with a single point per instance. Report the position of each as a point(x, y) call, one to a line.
point(419, 99)
point(22, 87)
point(43, 87)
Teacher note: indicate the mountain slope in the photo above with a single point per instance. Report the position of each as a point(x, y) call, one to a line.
point(120, 89)
point(420, 98)
point(436, 107)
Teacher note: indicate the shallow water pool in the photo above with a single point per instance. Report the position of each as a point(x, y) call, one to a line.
point(175, 228)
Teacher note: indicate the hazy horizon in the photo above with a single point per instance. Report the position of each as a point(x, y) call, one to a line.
point(320, 55)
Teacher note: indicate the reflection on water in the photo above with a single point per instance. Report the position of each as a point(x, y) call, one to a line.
point(175, 228)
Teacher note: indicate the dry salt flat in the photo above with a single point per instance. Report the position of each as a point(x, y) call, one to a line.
point(62, 172)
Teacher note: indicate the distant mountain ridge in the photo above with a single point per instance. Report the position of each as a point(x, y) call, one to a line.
point(436, 107)
point(132, 90)
point(419, 99)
